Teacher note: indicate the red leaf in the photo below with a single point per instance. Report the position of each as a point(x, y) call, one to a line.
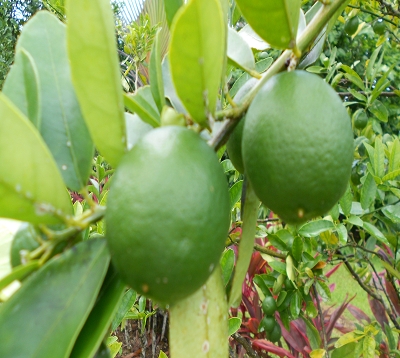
point(263, 344)
point(336, 315)
point(252, 324)
point(392, 295)
point(379, 311)
point(357, 313)
point(332, 271)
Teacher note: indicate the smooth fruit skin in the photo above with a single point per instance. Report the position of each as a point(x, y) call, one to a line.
point(298, 146)
point(269, 306)
point(351, 26)
point(168, 214)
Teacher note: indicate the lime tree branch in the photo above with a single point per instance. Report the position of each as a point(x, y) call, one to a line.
point(231, 116)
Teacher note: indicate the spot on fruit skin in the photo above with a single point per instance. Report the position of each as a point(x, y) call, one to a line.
point(300, 213)
point(206, 346)
point(145, 288)
point(204, 307)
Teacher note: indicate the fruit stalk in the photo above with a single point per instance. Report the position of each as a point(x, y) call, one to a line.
point(307, 37)
point(246, 245)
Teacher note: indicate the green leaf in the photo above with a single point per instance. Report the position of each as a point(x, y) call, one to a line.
point(162, 355)
point(51, 307)
point(126, 304)
point(390, 337)
point(370, 72)
point(199, 323)
point(234, 324)
point(394, 157)
point(314, 228)
point(375, 232)
point(353, 77)
point(235, 192)
point(142, 103)
point(345, 201)
point(227, 265)
point(277, 242)
point(196, 69)
point(171, 8)
point(278, 266)
point(368, 192)
point(297, 248)
point(135, 129)
point(391, 176)
point(379, 158)
point(295, 305)
point(312, 333)
point(290, 269)
point(246, 246)
point(345, 351)
point(25, 161)
point(101, 316)
point(355, 220)
point(22, 86)
point(369, 347)
point(323, 290)
point(358, 95)
point(342, 233)
point(381, 85)
point(392, 212)
point(239, 52)
point(60, 123)
point(92, 52)
point(379, 110)
point(389, 268)
point(275, 21)
point(156, 79)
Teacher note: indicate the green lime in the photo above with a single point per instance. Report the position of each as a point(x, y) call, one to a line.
point(351, 26)
point(276, 333)
point(168, 214)
point(360, 118)
point(268, 323)
point(24, 241)
point(298, 146)
point(269, 306)
point(379, 27)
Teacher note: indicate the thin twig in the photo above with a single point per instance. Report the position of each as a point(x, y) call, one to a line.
point(246, 345)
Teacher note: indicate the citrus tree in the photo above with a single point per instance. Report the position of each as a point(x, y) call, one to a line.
point(119, 189)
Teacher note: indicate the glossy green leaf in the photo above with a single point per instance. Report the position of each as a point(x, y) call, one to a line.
point(371, 71)
point(295, 305)
point(239, 52)
point(355, 220)
point(394, 157)
point(345, 201)
point(142, 103)
point(227, 265)
point(61, 123)
point(379, 110)
point(290, 269)
point(275, 21)
point(196, 69)
point(171, 8)
point(245, 247)
point(92, 52)
point(252, 39)
point(353, 77)
point(235, 192)
point(135, 129)
point(51, 307)
point(323, 290)
point(126, 304)
point(278, 266)
point(314, 228)
point(312, 333)
point(345, 351)
point(277, 242)
point(375, 232)
point(31, 187)
point(392, 212)
point(381, 85)
point(22, 86)
point(101, 316)
point(342, 233)
point(156, 78)
point(199, 323)
point(234, 324)
point(368, 347)
point(368, 192)
point(379, 158)
point(297, 248)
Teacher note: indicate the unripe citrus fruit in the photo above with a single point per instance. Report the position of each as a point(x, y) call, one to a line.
point(298, 146)
point(379, 27)
point(360, 118)
point(351, 26)
point(269, 306)
point(168, 214)
point(276, 333)
point(268, 323)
